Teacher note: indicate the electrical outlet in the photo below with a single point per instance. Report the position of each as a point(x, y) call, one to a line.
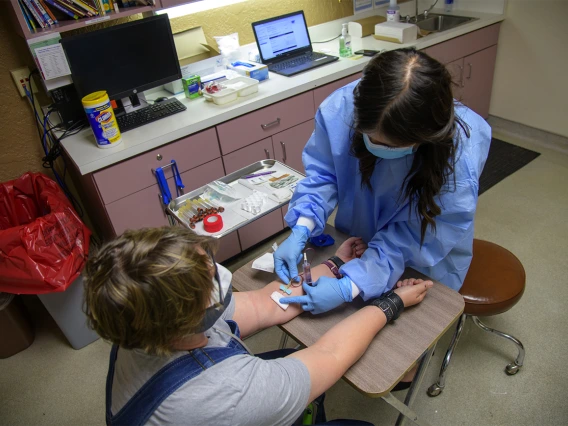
point(20, 77)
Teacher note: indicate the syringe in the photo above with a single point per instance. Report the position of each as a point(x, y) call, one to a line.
point(307, 270)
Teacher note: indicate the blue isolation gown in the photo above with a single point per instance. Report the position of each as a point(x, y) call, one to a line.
point(379, 216)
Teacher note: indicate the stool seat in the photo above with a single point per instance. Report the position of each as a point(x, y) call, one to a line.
point(495, 281)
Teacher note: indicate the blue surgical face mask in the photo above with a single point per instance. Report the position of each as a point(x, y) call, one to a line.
point(386, 152)
point(221, 298)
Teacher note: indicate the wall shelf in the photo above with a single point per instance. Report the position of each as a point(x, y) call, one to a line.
point(73, 24)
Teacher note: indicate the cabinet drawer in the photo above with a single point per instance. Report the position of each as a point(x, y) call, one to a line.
point(229, 246)
point(133, 175)
point(321, 93)
point(243, 131)
point(467, 44)
point(289, 145)
point(258, 151)
point(261, 229)
point(144, 208)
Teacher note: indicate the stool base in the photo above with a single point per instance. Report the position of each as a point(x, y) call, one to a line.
point(511, 369)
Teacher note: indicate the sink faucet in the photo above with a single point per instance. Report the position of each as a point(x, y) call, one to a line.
point(426, 12)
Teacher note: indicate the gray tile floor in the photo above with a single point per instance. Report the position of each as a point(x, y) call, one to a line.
point(50, 383)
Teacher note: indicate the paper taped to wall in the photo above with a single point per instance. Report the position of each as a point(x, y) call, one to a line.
point(52, 61)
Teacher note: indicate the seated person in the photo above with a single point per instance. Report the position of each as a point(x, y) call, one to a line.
point(168, 309)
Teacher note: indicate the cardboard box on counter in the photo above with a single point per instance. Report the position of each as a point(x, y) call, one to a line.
point(250, 69)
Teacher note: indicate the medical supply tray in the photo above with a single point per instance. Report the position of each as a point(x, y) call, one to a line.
point(234, 217)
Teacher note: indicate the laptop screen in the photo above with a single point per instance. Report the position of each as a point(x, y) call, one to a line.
point(281, 35)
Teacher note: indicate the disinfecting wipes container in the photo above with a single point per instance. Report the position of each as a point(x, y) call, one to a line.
point(102, 120)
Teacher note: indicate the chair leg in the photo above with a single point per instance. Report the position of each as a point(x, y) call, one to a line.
point(437, 388)
point(514, 367)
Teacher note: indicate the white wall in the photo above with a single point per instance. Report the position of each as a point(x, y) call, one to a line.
point(531, 84)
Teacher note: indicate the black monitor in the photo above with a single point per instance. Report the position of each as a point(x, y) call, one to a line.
point(124, 59)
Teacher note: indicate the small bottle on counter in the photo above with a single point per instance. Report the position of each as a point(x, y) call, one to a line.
point(449, 5)
point(393, 12)
point(345, 42)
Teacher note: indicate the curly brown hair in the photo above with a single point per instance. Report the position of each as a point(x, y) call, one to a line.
point(149, 288)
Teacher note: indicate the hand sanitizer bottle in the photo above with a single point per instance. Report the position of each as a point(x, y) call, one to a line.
point(393, 12)
point(449, 5)
point(345, 43)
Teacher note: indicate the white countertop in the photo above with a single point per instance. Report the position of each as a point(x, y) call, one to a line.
point(201, 114)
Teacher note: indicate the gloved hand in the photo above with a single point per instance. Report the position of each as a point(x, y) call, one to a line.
point(289, 254)
point(327, 294)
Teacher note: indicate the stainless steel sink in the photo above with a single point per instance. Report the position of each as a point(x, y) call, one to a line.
point(437, 23)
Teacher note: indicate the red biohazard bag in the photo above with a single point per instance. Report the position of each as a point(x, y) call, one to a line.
point(43, 243)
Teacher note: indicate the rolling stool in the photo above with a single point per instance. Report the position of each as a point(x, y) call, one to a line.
point(494, 283)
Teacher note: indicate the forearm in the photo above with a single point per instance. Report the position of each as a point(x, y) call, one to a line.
point(340, 347)
point(255, 310)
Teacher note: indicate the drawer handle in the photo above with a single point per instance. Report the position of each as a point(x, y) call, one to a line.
point(470, 70)
point(283, 145)
point(273, 123)
point(267, 154)
point(461, 76)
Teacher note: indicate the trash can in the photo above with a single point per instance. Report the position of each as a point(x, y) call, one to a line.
point(66, 308)
point(16, 332)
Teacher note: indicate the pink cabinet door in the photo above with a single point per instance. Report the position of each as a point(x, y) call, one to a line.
point(289, 144)
point(467, 44)
point(145, 209)
point(478, 78)
point(243, 157)
point(135, 174)
point(321, 93)
point(229, 246)
point(261, 229)
point(456, 70)
point(265, 122)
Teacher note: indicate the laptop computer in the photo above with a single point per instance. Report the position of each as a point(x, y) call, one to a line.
point(284, 45)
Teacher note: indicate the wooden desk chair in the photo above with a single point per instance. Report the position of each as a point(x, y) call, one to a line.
point(494, 283)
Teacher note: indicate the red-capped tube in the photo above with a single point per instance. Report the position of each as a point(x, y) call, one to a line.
point(213, 223)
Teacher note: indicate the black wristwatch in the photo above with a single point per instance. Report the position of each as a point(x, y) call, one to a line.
point(390, 303)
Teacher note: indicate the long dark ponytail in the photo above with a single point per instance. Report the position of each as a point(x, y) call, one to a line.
point(406, 96)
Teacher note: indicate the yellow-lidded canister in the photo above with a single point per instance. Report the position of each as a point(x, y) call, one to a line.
point(101, 117)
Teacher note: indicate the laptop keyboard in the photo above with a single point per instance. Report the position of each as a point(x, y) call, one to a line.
point(294, 62)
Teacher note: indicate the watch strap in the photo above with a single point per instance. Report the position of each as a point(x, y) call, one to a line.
point(334, 269)
point(391, 304)
point(338, 262)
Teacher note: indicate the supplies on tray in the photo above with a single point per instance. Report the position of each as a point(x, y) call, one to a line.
point(253, 203)
point(195, 211)
point(283, 181)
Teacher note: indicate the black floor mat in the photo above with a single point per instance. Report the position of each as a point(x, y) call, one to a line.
point(503, 160)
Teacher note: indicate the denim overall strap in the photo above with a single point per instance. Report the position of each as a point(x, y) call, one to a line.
point(166, 381)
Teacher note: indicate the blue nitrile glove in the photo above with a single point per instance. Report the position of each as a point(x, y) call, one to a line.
point(327, 294)
point(289, 254)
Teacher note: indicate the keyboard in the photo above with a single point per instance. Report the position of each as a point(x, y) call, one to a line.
point(149, 114)
point(295, 62)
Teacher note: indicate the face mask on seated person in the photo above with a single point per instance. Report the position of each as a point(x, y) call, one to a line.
point(386, 152)
point(220, 298)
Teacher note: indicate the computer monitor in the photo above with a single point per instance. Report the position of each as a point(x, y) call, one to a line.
point(282, 36)
point(124, 59)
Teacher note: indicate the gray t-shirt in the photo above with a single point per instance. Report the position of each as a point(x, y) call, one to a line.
point(241, 390)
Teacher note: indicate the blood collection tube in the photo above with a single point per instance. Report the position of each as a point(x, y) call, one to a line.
point(307, 270)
